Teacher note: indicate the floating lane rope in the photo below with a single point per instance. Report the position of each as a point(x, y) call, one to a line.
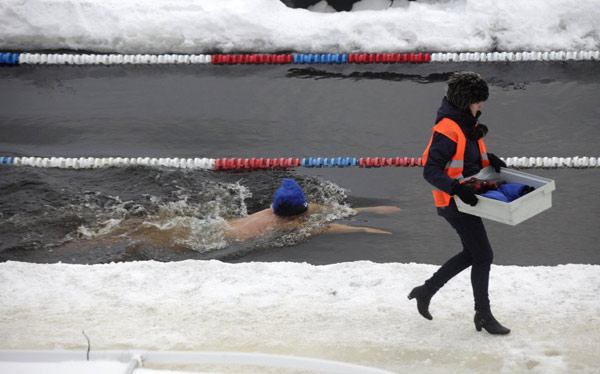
point(298, 58)
point(248, 164)
point(516, 56)
point(110, 59)
point(9, 59)
point(91, 162)
point(552, 162)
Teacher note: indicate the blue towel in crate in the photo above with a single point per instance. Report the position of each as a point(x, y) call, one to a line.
point(515, 190)
point(509, 192)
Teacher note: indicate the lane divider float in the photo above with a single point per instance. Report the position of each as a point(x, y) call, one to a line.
point(247, 164)
point(295, 58)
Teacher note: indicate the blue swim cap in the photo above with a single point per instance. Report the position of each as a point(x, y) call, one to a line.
point(289, 200)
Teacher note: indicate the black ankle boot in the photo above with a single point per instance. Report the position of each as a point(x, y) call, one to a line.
point(487, 321)
point(423, 296)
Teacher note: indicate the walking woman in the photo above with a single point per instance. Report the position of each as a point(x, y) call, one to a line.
point(456, 151)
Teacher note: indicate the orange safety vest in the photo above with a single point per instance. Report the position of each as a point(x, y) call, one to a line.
point(454, 167)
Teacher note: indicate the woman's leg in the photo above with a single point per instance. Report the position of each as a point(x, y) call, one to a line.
point(449, 270)
point(477, 253)
point(424, 293)
point(475, 242)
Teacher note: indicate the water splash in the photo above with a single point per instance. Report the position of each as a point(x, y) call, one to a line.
point(145, 213)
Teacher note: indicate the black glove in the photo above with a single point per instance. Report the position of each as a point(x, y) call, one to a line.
point(496, 162)
point(466, 194)
point(477, 132)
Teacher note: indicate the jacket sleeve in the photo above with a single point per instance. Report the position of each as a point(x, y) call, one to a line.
point(440, 152)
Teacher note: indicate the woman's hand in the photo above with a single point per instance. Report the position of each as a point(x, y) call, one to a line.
point(466, 194)
point(496, 162)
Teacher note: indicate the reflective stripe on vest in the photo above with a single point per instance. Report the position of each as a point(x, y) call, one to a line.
point(454, 167)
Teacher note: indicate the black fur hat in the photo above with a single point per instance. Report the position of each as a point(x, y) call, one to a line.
point(466, 88)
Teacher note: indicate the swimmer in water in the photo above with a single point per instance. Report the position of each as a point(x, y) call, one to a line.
point(289, 205)
point(289, 211)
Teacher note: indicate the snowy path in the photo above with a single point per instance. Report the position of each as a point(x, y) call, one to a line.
point(352, 312)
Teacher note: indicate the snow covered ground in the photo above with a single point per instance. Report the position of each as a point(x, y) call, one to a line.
point(206, 26)
point(351, 312)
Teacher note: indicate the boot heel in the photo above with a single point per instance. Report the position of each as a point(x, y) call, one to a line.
point(477, 326)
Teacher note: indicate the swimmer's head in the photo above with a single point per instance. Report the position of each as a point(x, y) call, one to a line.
point(289, 200)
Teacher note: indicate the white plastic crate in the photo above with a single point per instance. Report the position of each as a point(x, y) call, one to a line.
point(517, 210)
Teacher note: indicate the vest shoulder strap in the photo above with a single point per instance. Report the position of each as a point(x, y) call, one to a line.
point(450, 129)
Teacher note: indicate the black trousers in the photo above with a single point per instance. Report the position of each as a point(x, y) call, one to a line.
point(477, 253)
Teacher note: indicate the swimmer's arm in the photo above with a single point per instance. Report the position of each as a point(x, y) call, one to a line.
point(383, 209)
point(336, 228)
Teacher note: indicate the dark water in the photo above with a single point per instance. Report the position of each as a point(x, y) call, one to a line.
point(535, 109)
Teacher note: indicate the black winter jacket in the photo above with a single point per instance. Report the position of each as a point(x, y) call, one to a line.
point(443, 148)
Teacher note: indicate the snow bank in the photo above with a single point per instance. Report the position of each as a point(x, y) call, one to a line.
point(205, 26)
point(352, 312)
point(66, 367)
